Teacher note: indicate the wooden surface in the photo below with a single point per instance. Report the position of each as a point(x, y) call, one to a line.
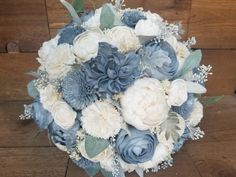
point(25, 24)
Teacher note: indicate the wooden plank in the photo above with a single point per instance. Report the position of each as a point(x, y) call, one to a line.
point(18, 133)
point(13, 79)
point(32, 162)
point(214, 159)
point(183, 166)
point(24, 22)
point(213, 23)
point(223, 80)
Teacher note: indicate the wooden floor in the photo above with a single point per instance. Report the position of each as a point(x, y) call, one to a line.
point(25, 24)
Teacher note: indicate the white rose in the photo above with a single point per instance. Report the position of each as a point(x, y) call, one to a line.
point(63, 114)
point(153, 17)
point(196, 115)
point(101, 119)
point(94, 21)
point(48, 96)
point(147, 28)
point(86, 44)
point(177, 93)
point(124, 38)
point(144, 104)
point(161, 154)
point(59, 61)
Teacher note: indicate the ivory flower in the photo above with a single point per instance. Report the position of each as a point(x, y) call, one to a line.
point(101, 114)
point(94, 21)
point(196, 115)
point(123, 37)
point(144, 104)
point(147, 28)
point(153, 17)
point(86, 44)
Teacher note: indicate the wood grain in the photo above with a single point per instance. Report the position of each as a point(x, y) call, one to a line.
point(13, 80)
point(23, 22)
point(213, 23)
point(32, 162)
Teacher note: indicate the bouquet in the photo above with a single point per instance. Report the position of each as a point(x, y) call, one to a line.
point(118, 91)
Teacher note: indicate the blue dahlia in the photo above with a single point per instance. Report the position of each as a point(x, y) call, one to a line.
point(159, 60)
point(76, 91)
point(131, 18)
point(111, 72)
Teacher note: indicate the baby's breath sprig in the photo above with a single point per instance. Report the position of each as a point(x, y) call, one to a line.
point(28, 112)
point(202, 75)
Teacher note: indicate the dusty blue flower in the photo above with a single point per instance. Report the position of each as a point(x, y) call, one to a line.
point(111, 72)
point(76, 91)
point(186, 108)
point(41, 116)
point(131, 18)
point(85, 163)
point(159, 60)
point(182, 139)
point(64, 137)
point(136, 147)
point(69, 32)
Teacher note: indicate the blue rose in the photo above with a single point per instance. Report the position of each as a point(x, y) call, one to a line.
point(186, 108)
point(111, 72)
point(159, 60)
point(69, 32)
point(136, 147)
point(41, 116)
point(131, 18)
point(64, 137)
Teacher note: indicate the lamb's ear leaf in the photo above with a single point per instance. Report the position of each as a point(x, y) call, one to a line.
point(106, 173)
point(92, 171)
point(209, 100)
point(95, 146)
point(78, 5)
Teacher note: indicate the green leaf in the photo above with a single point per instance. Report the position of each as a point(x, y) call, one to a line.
point(191, 62)
point(36, 135)
point(78, 5)
point(95, 146)
point(109, 18)
point(207, 101)
point(93, 170)
point(32, 90)
point(106, 173)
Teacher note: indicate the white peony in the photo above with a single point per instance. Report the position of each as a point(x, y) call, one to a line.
point(101, 119)
point(147, 28)
point(153, 17)
point(182, 52)
point(144, 104)
point(162, 153)
point(63, 114)
point(94, 21)
point(196, 115)
point(124, 38)
point(48, 96)
point(177, 93)
point(58, 62)
point(86, 44)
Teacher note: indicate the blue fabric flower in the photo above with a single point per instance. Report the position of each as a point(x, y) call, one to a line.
point(41, 116)
point(186, 108)
point(136, 147)
point(69, 32)
point(159, 60)
point(111, 72)
point(131, 18)
point(64, 137)
point(85, 163)
point(182, 139)
point(76, 91)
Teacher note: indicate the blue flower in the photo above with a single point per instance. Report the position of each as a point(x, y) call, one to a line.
point(182, 139)
point(64, 137)
point(85, 163)
point(41, 116)
point(76, 91)
point(131, 18)
point(136, 147)
point(159, 60)
point(69, 32)
point(186, 108)
point(111, 72)
point(86, 15)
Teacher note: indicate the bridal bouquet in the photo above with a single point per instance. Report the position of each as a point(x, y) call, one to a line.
point(118, 91)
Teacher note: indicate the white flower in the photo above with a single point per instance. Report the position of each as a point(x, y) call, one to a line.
point(124, 38)
point(86, 44)
point(162, 153)
point(48, 96)
point(144, 104)
point(193, 87)
point(63, 114)
point(94, 21)
point(127, 167)
point(101, 119)
point(59, 61)
point(147, 28)
point(177, 93)
point(182, 52)
point(196, 115)
point(153, 17)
